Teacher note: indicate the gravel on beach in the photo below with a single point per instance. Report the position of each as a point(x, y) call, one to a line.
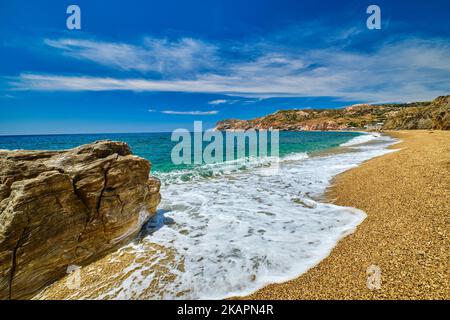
point(405, 237)
point(406, 195)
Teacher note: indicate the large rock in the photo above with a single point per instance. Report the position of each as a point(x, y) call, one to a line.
point(61, 208)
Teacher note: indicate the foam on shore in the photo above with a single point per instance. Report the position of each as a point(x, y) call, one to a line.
point(236, 233)
point(366, 137)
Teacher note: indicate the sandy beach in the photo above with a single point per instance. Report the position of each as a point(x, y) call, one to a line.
point(406, 196)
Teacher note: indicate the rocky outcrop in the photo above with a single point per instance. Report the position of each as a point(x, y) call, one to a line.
point(416, 115)
point(62, 208)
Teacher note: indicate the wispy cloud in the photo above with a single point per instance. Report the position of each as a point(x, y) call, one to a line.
point(157, 55)
point(219, 101)
point(191, 113)
point(407, 70)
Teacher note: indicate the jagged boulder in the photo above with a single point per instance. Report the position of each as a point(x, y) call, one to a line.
point(61, 208)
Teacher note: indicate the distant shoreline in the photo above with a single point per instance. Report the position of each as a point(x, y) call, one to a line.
point(405, 195)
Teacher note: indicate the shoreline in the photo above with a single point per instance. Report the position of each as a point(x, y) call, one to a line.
point(406, 197)
point(344, 279)
point(58, 290)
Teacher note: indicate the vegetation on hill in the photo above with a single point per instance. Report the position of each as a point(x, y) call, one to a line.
point(433, 115)
point(417, 115)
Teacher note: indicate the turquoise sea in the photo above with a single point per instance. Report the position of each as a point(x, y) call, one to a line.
point(230, 228)
point(157, 147)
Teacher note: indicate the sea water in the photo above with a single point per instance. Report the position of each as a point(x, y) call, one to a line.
point(232, 228)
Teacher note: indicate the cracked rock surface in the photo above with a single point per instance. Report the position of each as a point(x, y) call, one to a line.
point(62, 208)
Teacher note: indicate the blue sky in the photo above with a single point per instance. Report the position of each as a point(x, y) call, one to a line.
point(141, 66)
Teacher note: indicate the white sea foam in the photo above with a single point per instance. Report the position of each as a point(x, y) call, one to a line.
point(225, 168)
point(235, 233)
point(364, 138)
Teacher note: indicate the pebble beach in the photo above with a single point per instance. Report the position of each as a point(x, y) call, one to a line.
point(406, 195)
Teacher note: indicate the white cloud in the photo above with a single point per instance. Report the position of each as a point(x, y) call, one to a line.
point(195, 113)
point(157, 55)
point(219, 101)
point(192, 113)
point(409, 70)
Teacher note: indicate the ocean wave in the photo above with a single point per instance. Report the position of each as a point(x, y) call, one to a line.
point(215, 170)
point(364, 138)
point(239, 232)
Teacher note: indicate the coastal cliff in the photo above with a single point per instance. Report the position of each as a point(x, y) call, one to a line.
point(62, 208)
point(416, 115)
point(433, 115)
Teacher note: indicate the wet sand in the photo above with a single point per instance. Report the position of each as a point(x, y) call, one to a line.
point(405, 236)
